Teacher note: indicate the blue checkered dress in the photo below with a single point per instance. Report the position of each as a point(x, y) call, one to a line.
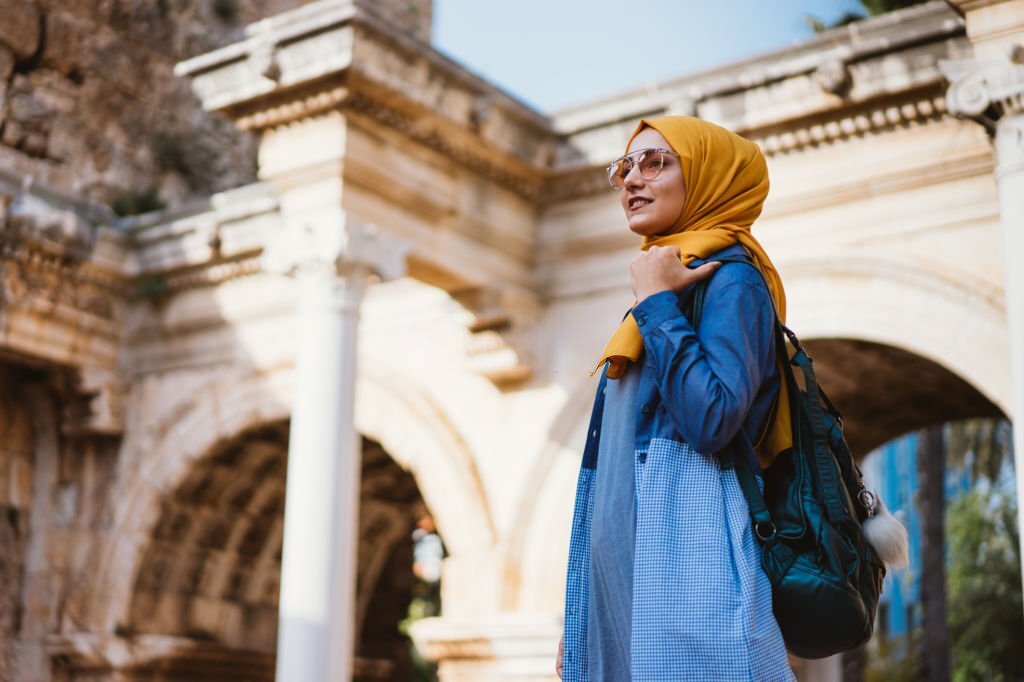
point(701, 602)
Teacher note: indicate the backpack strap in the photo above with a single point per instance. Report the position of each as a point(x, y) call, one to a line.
point(825, 465)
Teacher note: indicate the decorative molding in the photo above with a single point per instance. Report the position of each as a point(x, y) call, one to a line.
point(850, 122)
point(29, 271)
point(518, 177)
point(281, 111)
point(212, 274)
point(340, 54)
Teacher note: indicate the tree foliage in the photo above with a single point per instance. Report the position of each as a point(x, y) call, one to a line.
point(984, 587)
point(983, 446)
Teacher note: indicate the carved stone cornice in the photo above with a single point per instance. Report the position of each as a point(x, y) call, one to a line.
point(48, 267)
point(848, 122)
point(202, 245)
point(986, 90)
point(61, 305)
point(342, 55)
point(514, 175)
point(211, 274)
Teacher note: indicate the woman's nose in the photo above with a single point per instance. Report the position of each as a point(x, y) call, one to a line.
point(633, 177)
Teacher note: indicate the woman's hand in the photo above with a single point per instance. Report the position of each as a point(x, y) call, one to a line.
point(659, 269)
point(561, 652)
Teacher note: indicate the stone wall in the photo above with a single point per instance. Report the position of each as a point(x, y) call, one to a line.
point(89, 102)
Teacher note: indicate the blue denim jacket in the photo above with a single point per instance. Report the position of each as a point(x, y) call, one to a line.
point(700, 387)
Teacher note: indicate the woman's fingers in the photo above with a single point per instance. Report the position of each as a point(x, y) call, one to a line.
point(558, 659)
point(659, 268)
point(704, 271)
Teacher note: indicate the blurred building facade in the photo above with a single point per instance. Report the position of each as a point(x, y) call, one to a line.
point(151, 368)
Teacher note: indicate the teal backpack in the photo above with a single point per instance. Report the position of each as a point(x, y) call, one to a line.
point(825, 576)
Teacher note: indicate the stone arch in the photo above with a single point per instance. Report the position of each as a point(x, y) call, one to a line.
point(934, 312)
point(908, 316)
point(390, 410)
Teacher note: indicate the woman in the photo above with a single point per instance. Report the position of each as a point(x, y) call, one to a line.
point(665, 581)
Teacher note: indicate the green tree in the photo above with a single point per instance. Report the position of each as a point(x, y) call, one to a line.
point(984, 586)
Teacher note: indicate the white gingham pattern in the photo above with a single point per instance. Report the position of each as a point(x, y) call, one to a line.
point(702, 605)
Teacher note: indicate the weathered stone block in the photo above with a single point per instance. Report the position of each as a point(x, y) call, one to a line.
point(65, 40)
point(19, 27)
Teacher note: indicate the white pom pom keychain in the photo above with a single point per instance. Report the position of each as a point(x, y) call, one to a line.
point(886, 534)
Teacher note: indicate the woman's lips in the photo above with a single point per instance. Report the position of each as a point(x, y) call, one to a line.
point(638, 202)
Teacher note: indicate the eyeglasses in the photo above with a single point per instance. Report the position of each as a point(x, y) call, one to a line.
point(650, 162)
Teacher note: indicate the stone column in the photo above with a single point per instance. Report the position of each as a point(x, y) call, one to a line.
point(990, 90)
point(331, 263)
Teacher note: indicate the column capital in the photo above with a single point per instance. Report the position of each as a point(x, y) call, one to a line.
point(334, 242)
point(985, 89)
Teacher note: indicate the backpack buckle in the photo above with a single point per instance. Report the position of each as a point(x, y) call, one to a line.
point(764, 530)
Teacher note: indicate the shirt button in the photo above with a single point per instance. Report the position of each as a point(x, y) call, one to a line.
point(646, 409)
point(593, 434)
point(640, 317)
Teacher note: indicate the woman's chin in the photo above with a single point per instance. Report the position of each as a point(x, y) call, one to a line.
point(645, 228)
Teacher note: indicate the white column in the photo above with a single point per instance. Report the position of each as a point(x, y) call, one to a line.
point(1010, 176)
point(992, 92)
point(332, 264)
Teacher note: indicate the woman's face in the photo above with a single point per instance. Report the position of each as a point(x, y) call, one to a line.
point(653, 206)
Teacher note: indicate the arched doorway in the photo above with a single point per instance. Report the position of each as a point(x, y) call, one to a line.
point(204, 598)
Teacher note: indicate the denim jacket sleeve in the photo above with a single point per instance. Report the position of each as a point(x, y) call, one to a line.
point(708, 379)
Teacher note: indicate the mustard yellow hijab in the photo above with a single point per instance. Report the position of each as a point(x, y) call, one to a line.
point(726, 181)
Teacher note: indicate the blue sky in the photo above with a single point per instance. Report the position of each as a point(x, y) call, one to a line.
point(555, 53)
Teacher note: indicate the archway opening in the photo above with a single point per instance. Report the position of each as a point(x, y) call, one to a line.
point(205, 595)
